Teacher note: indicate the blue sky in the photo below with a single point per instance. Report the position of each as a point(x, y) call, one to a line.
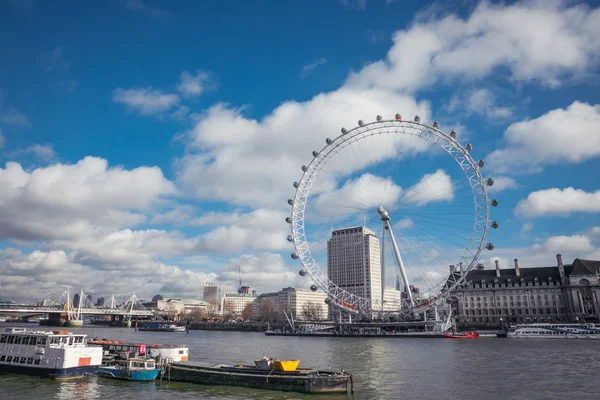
point(199, 115)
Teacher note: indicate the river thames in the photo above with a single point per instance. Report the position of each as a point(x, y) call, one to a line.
point(383, 368)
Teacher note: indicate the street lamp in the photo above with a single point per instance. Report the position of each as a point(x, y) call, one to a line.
point(501, 324)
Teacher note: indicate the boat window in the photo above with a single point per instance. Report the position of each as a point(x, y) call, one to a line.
point(36, 362)
point(150, 364)
point(2, 358)
point(25, 340)
point(3, 339)
point(9, 359)
point(78, 339)
point(71, 341)
point(30, 361)
point(23, 360)
point(11, 339)
point(41, 341)
point(180, 351)
point(18, 339)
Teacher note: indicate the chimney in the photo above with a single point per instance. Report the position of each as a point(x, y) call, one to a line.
point(452, 269)
point(517, 270)
point(561, 268)
point(497, 269)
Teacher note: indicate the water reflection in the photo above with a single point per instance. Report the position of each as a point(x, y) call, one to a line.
point(490, 369)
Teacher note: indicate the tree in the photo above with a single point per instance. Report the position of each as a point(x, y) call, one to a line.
point(247, 312)
point(311, 311)
point(196, 314)
point(268, 312)
point(227, 310)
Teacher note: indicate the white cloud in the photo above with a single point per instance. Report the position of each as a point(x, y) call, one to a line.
point(309, 67)
point(483, 102)
point(138, 5)
point(194, 85)
point(354, 4)
point(267, 271)
point(525, 230)
point(545, 41)
point(431, 188)
point(147, 101)
point(502, 183)
point(250, 162)
point(558, 201)
point(55, 60)
point(72, 200)
point(366, 192)
point(14, 118)
point(560, 135)
point(544, 253)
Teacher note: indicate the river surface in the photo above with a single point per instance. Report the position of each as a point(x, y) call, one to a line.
point(386, 368)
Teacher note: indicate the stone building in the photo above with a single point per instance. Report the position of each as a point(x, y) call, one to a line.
point(489, 298)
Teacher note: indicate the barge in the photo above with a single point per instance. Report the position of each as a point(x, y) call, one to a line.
point(257, 377)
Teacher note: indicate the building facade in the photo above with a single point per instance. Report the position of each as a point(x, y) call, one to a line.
point(303, 304)
point(181, 307)
point(354, 263)
point(492, 298)
point(234, 303)
point(391, 299)
point(211, 293)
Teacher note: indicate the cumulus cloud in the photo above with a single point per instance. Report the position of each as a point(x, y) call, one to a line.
point(309, 67)
point(558, 201)
point(431, 188)
point(71, 200)
point(544, 41)
point(562, 135)
point(502, 183)
point(482, 102)
point(13, 117)
point(192, 85)
point(544, 254)
point(139, 6)
point(146, 101)
point(231, 157)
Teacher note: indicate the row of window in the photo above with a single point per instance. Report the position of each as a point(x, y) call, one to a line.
point(40, 340)
point(19, 360)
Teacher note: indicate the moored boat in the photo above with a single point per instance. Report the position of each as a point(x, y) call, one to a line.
point(555, 331)
point(164, 353)
point(53, 354)
point(266, 374)
point(134, 369)
point(468, 335)
point(161, 327)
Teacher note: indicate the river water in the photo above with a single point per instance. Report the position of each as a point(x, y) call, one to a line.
point(386, 368)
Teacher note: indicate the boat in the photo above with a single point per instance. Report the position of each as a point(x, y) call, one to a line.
point(161, 327)
point(555, 331)
point(163, 353)
point(468, 335)
point(54, 354)
point(134, 369)
point(265, 374)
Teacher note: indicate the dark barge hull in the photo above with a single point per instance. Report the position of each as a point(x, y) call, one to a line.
point(304, 381)
point(372, 335)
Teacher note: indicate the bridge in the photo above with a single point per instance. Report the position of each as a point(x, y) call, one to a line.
point(75, 312)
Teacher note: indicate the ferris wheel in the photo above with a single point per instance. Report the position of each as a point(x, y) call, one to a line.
point(390, 193)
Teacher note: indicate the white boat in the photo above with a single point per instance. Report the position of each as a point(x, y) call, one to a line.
point(53, 354)
point(170, 353)
point(555, 331)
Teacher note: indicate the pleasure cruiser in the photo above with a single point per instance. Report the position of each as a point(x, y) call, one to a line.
point(555, 331)
point(53, 354)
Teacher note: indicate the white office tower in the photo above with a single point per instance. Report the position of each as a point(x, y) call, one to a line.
point(353, 263)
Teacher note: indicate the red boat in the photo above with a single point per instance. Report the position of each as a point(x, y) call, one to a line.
point(469, 335)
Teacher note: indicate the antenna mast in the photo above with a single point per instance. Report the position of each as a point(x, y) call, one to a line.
point(240, 274)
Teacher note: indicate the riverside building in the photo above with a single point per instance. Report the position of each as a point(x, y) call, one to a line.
point(565, 293)
point(353, 263)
